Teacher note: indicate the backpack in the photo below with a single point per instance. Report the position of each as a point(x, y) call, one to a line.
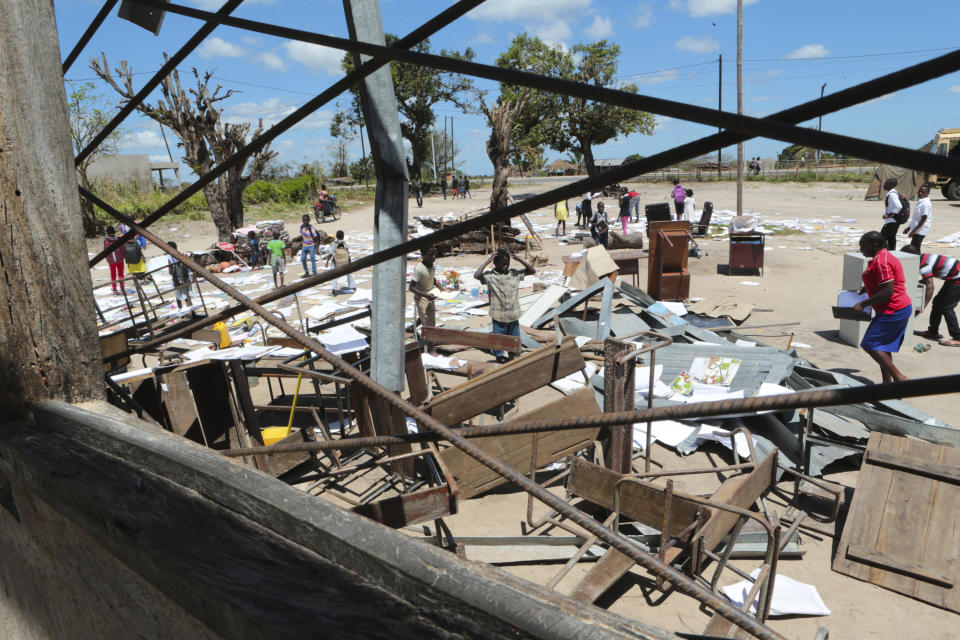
point(340, 255)
point(679, 194)
point(132, 253)
point(903, 215)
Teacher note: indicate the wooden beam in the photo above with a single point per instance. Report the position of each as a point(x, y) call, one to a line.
point(416, 375)
point(410, 508)
point(477, 339)
point(911, 464)
point(474, 478)
point(508, 382)
point(864, 554)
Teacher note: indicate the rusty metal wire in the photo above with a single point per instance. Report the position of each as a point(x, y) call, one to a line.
point(801, 399)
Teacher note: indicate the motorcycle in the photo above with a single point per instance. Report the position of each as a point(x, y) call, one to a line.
point(327, 210)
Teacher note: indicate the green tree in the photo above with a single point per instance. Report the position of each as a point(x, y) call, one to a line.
point(418, 90)
point(572, 124)
point(88, 116)
point(511, 118)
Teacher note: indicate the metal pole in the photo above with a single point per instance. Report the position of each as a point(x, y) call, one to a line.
point(433, 153)
point(820, 120)
point(719, 108)
point(453, 152)
point(390, 205)
point(740, 104)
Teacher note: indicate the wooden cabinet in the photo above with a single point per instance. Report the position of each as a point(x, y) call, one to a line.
point(746, 251)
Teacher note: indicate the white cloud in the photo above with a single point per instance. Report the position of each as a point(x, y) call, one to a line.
point(528, 10)
point(314, 56)
point(482, 38)
point(954, 89)
point(219, 48)
point(554, 32)
point(272, 111)
point(272, 61)
point(644, 16)
point(601, 28)
point(142, 140)
point(657, 78)
point(697, 45)
point(160, 157)
point(705, 8)
point(247, 39)
point(807, 52)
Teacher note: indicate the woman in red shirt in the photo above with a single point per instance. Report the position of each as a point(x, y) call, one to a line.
point(884, 282)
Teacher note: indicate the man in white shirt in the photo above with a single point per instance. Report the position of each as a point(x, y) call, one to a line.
point(919, 226)
point(892, 208)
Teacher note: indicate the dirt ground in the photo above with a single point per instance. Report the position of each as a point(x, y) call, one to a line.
point(799, 284)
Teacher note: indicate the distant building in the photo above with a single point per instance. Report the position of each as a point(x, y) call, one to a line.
point(562, 168)
point(132, 168)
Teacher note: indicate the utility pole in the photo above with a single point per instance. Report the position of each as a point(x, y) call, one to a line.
point(740, 104)
point(363, 148)
point(453, 157)
point(820, 120)
point(720, 108)
point(433, 153)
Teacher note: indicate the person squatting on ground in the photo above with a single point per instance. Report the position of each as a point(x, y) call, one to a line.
point(278, 265)
point(115, 261)
point(679, 195)
point(339, 252)
point(560, 213)
point(503, 286)
point(891, 208)
point(422, 281)
point(309, 247)
point(884, 282)
point(947, 269)
point(182, 277)
point(918, 227)
point(600, 226)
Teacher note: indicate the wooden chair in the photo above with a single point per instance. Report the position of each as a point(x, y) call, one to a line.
point(691, 527)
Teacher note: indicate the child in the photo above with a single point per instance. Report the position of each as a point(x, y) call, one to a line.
point(624, 211)
point(679, 194)
point(309, 248)
point(600, 226)
point(503, 285)
point(133, 256)
point(340, 254)
point(276, 248)
point(560, 213)
point(689, 207)
point(254, 243)
point(182, 276)
point(115, 260)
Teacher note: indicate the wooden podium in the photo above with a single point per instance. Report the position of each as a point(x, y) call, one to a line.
point(667, 275)
point(746, 251)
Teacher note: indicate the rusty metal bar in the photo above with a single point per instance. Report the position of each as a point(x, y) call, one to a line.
point(915, 388)
point(616, 541)
point(427, 29)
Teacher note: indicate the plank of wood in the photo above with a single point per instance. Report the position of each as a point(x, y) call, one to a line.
point(915, 465)
point(602, 575)
point(641, 502)
point(508, 382)
point(908, 506)
point(279, 463)
point(476, 339)
point(474, 478)
point(410, 508)
point(544, 302)
point(179, 403)
point(416, 375)
point(941, 547)
point(874, 557)
point(111, 345)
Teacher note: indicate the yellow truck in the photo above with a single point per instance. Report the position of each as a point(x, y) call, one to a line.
point(946, 143)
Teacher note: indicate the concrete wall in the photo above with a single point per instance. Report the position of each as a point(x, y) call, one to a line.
point(123, 169)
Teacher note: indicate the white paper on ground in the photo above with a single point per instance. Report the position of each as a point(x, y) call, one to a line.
point(343, 339)
point(676, 308)
point(750, 284)
point(441, 363)
point(790, 597)
point(669, 432)
point(321, 311)
point(574, 381)
point(360, 298)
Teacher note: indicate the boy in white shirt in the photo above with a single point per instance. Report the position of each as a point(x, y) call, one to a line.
point(918, 227)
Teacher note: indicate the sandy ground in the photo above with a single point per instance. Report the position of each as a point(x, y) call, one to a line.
point(799, 284)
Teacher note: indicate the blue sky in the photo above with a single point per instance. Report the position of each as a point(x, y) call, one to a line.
point(669, 48)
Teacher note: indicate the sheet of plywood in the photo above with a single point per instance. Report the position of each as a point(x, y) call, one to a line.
point(544, 302)
point(902, 530)
point(410, 508)
point(508, 382)
point(473, 478)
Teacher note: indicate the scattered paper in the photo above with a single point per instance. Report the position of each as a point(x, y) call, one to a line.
point(790, 597)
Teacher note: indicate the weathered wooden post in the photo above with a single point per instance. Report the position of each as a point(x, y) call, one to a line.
point(48, 338)
point(618, 390)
